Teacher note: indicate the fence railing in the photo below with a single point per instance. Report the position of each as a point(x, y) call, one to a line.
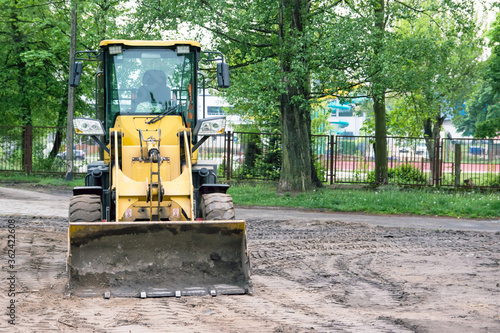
point(351, 159)
point(43, 150)
point(251, 155)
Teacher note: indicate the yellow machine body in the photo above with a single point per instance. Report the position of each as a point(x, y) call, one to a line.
point(138, 175)
point(153, 243)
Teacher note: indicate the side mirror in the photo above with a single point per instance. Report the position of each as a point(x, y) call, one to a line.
point(223, 75)
point(75, 74)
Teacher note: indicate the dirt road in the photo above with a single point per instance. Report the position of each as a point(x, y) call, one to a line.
point(311, 273)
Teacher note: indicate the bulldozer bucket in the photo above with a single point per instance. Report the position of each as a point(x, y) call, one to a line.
point(158, 259)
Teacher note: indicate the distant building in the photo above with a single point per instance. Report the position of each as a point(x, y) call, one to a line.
point(448, 127)
point(216, 106)
point(343, 118)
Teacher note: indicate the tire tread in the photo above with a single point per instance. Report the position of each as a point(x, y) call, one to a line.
point(85, 208)
point(217, 206)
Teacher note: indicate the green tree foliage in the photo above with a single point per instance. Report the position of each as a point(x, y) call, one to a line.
point(33, 66)
point(33, 61)
point(439, 72)
point(482, 117)
point(254, 94)
point(440, 78)
point(493, 63)
point(422, 59)
point(269, 47)
point(399, 57)
point(444, 79)
point(481, 112)
point(278, 48)
point(34, 56)
point(284, 56)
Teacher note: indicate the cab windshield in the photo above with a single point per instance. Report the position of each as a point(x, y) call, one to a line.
point(150, 82)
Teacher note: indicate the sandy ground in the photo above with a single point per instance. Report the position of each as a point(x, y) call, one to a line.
point(311, 273)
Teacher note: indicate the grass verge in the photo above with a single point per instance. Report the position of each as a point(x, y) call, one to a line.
point(40, 180)
point(392, 200)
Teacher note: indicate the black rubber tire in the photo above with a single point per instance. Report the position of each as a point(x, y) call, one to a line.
point(217, 206)
point(85, 208)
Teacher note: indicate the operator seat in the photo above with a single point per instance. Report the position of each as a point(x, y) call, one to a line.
point(154, 88)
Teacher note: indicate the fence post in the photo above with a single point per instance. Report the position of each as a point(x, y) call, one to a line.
point(228, 156)
point(223, 151)
point(437, 161)
point(441, 147)
point(336, 145)
point(28, 149)
point(458, 160)
point(330, 158)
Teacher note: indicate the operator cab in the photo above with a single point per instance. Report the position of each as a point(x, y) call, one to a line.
point(150, 80)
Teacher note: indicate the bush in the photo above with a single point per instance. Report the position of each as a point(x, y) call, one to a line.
point(495, 182)
point(252, 151)
point(261, 161)
point(402, 174)
point(321, 169)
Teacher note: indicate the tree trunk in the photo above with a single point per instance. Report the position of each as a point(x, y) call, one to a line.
point(59, 133)
point(380, 140)
point(432, 135)
point(378, 93)
point(297, 167)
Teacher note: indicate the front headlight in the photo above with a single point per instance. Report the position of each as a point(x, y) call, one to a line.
point(210, 126)
point(86, 126)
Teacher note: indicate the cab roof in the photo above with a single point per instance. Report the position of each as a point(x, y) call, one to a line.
point(148, 42)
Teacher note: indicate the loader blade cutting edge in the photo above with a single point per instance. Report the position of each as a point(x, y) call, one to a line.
point(158, 259)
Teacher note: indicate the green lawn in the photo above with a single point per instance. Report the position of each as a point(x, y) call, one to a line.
point(41, 180)
point(391, 200)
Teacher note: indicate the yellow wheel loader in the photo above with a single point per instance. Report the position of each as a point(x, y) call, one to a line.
point(151, 220)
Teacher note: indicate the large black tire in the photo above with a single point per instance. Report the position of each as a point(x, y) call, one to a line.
point(85, 208)
point(217, 206)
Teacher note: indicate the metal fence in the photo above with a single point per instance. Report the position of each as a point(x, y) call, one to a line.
point(351, 159)
point(250, 155)
point(43, 150)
